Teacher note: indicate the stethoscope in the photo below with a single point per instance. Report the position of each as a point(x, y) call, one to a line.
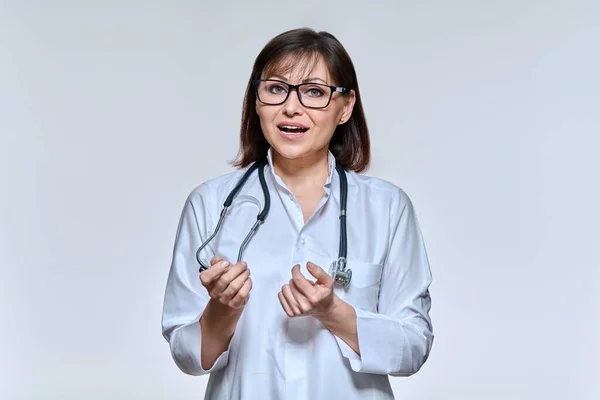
point(341, 275)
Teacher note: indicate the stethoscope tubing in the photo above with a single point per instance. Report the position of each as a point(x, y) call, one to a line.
point(260, 218)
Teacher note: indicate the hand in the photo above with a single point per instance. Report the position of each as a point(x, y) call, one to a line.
point(303, 297)
point(227, 284)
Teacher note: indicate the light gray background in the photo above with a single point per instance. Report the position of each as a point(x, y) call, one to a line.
point(486, 113)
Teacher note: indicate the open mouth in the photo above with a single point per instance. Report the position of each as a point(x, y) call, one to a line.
point(291, 130)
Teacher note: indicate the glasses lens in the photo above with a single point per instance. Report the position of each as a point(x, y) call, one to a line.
point(272, 92)
point(315, 95)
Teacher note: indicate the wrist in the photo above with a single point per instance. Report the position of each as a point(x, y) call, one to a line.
point(222, 310)
point(220, 318)
point(331, 313)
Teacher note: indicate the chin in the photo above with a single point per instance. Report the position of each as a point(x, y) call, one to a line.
point(291, 152)
point(293, 149)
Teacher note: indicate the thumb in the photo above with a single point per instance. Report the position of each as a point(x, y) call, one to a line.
point(319, 273)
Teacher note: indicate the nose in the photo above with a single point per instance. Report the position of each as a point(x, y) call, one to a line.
point(292, 105)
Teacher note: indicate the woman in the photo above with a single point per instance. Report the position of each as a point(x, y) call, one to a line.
point(277, 325)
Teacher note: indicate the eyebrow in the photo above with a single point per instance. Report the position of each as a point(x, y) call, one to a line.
point(311, 79)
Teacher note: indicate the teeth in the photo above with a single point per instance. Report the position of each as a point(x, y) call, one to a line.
point(290, 127)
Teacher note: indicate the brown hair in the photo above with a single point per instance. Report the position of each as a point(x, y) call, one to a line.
point(350, 142)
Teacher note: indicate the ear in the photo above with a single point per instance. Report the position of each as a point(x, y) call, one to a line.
point(349, 102)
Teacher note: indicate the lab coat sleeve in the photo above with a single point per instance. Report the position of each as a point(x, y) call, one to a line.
point(397, 339)
point(185, 298)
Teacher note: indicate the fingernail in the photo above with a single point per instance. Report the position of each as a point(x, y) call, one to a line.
point(225, 264)
point(244, 263)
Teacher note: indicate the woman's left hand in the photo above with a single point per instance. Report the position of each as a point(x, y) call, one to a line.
point(303, 297)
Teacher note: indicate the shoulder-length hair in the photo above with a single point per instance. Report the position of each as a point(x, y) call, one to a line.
point(350, 142)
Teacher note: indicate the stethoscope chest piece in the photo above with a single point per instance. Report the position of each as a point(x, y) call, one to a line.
point(340, 274)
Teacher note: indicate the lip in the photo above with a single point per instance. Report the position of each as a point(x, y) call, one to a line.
point(289, 123)
point(292, 136)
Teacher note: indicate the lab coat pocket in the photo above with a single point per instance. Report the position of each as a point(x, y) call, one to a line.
point(363, 291)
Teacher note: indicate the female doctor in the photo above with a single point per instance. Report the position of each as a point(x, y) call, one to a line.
point(326, 301)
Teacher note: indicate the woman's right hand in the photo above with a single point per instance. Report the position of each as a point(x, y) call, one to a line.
point(227, 284)
point(229, 289)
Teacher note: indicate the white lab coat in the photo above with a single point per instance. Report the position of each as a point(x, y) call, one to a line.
point(272, 356)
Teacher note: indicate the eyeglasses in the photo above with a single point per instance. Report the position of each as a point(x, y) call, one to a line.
point(311, 95)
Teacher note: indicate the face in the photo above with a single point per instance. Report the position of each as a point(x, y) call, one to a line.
point(316, 125)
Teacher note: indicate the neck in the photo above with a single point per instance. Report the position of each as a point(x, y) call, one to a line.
point(302, 172)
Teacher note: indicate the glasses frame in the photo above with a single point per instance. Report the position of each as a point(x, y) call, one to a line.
point(334, 89)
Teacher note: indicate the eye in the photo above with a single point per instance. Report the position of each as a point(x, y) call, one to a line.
point(314, 91)
point(276, 88)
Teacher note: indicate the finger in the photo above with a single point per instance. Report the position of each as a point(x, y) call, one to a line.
point(215, 260)
point(208, 276)
point(234, 286)
point(225, 279)
point(320, 274)
point(304, 304)
point(284, 304)
point(242, 296)
point(291, 300)
point(302, 284)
